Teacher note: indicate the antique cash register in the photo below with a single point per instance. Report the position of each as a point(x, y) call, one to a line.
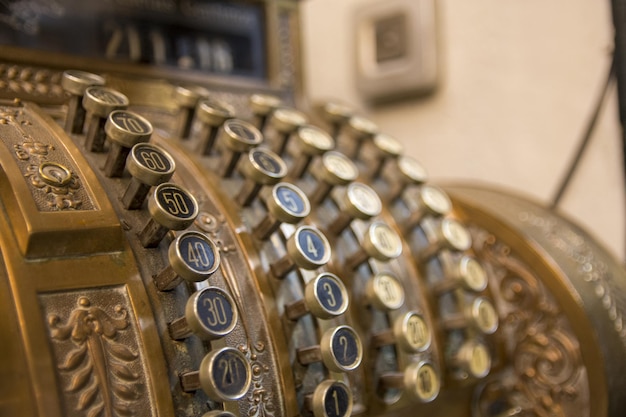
point(183, 234)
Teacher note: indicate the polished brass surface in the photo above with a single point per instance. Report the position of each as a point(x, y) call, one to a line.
point(222, 296)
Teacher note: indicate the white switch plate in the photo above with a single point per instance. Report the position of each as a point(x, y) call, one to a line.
point(396, 49)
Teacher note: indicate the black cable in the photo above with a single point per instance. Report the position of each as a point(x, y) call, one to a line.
point(586, 138)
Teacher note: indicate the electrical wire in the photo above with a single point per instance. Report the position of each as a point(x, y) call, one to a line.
point(586, 138)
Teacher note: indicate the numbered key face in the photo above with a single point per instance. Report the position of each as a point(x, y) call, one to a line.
point(127, 128)
point(310, 248)
point(422, 381)
point(225, 374)
point(364, 200)
point(385, 292)
point(383, 243)
point(412, 332)
point(194, 256)
point(345, 350)
point(240, 135)
point(150, 164)
point(472, 274)
point(332, 399)
point(326, 296)
point(176, 202)
point(315, 140)
point(455, 235)
point(291, 200)
point(267, 163)
point(101, 100)
point(340, 167)
point(412, 170)
point(484, 315)
point(475, 357)
point(211, 313)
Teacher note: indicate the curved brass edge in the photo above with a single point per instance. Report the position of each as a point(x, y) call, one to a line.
point(47, 234)
point(521, 225)
point(260, 286)
point(16, 395)
point(31, 282)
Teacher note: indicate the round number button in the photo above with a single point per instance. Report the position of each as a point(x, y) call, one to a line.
point(194, 256)
point(472, 274)
point(150, 164)
point(225, 374)
point(309, 248)
point(291, 200)
point(341, 349)
point(332, 399)
point(421, 381)
point(382, 242)
point(177, 207)
point(326, 296)
point(412, 332)
point(385, 292)
point(211, 313)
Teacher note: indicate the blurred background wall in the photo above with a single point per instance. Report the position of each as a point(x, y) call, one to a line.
point(520, 79)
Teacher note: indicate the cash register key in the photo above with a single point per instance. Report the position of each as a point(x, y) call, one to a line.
point(472, 359)
point(187, 97)
point(325, 297)
point(149, 165)
point(192, 256)
point(410, 333)
point(380, 242)
point(171, 208)
point(286, 204)
point(212, 114)
point(386, 149)
point(336, 114)
point(480, 315)
point(450, 235)
point(238, 137)
point(261, 167)
point(331, 398)
point(465, 272)
point(385, 292)
point(75, 83)
point(334, 169)
point(408, 171)
point(225, 375)
point(359, 202)
point(358, 130)
point(124, 130)
point(285, 121)
point(312, 141)
point(307, 248)
point(262, 105)
point(419, 380)
point(426, 200)
point(99, 102)
point(340, 350)
point(209, 314)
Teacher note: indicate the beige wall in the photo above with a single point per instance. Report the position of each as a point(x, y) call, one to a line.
point(520, 80)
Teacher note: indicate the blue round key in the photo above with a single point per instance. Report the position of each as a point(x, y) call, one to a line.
point(211, 313)
point(225, 374)
point(291, 200)
point(332, 399)
point(326, 296)
point(193, 256)
point(176, 202)
point(341, 349)
point(313, 245)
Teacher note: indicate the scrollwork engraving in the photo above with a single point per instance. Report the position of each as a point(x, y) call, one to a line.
point(547, 378)
point(100, 370)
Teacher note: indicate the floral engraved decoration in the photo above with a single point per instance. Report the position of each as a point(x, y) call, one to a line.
point(259, 397)
point(102, 372)
point(547, 378)
point(56, 187)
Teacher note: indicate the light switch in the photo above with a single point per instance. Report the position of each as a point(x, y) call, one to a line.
point(396, 49)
